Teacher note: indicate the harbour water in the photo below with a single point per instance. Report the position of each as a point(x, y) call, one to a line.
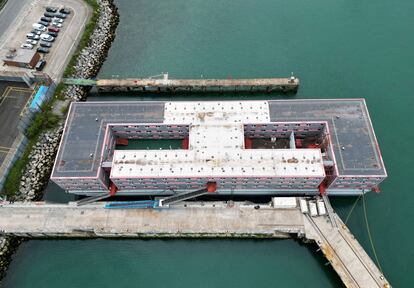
point(339, 49)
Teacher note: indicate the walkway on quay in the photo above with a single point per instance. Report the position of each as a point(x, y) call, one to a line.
point(197, 219)
point(165, 84)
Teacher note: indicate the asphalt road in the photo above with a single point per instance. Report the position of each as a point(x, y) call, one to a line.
point(9, 13)
point(13, 97)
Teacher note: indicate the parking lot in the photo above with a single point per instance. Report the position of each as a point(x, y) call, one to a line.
point(64, 44)
point(13, 98)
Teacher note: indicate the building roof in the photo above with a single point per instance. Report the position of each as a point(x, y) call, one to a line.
point(22, 56)
point(353, 138)
point(217, 163)
point(355, 145)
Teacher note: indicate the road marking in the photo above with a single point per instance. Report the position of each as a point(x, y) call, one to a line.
point(26, 105)
point(5, 92)
point(6, 149)
point(10, 89)
point(20, 89)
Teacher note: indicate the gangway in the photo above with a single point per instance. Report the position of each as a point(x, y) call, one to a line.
point(92, 199)
point(211, 187)
point(182, 196)
point(329, 210)
point(165, 202)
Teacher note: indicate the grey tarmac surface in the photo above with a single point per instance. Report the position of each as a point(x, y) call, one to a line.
point(13, 98)
point(9, 13)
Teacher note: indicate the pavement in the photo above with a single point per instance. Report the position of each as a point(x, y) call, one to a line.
point(30, 12)
point(194, 219)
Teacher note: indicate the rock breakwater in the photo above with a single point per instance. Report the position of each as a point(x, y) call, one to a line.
point(91, 58)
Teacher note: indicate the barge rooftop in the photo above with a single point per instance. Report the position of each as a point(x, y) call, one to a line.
point(315, 145)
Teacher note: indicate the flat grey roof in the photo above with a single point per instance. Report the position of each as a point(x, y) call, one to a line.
point(348, 122)
point(85, 131)
point(353, 138)
point(22, 56)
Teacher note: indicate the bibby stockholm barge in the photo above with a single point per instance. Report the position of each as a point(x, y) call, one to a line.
point(246, 147)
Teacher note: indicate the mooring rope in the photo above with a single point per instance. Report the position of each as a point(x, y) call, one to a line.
point(369, 234)
point(352, 209)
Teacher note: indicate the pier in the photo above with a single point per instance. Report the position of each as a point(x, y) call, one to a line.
point(197, 219)
point(167, 85)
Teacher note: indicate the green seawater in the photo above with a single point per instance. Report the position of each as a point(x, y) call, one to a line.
point(339, 49)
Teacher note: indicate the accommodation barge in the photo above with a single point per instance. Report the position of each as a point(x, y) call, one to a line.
point(274, 147)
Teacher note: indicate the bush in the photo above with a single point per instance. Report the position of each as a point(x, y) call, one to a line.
point(11, 186)
point(84, 41)
point(42, 122)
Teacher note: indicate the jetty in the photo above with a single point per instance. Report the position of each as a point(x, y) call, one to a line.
point(198, 219)
point(165, 84)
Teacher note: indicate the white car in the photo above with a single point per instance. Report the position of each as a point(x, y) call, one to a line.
point(30, 41)
point(39, 27)
point(32, 36)
point(27, 46)
point(57, 25)
point(57, 20)
point(47, 37)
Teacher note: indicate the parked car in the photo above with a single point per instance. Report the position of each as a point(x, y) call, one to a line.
point(60, 15)
point(43, 23)
point(32, 36)
point(57, 25)
point(26, 46)
point(45, 44)
point(40, 65)
point(37, 32)
point(51, 9)
point(47, 37)
point(30, 41)
point(57, 20)
point(39, 27)
point(53, 29)
point(64, 11)
point(53, 34)
point(46, 19)
point(49, 14)
point(42, 50)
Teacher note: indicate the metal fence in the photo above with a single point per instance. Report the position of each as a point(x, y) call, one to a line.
point(14, 154)
point(21, 140)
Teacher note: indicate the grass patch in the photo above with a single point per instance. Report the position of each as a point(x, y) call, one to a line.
point(2, 4)
point(45, 119)
point(64, 109)
point(42, 122)
point(58, 92)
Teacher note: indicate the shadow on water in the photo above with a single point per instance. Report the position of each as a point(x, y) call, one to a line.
point(230, 96)
point(55, 194)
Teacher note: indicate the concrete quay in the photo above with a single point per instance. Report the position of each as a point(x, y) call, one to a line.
point(190, 85)
point(197, 219)
point(215, 219)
